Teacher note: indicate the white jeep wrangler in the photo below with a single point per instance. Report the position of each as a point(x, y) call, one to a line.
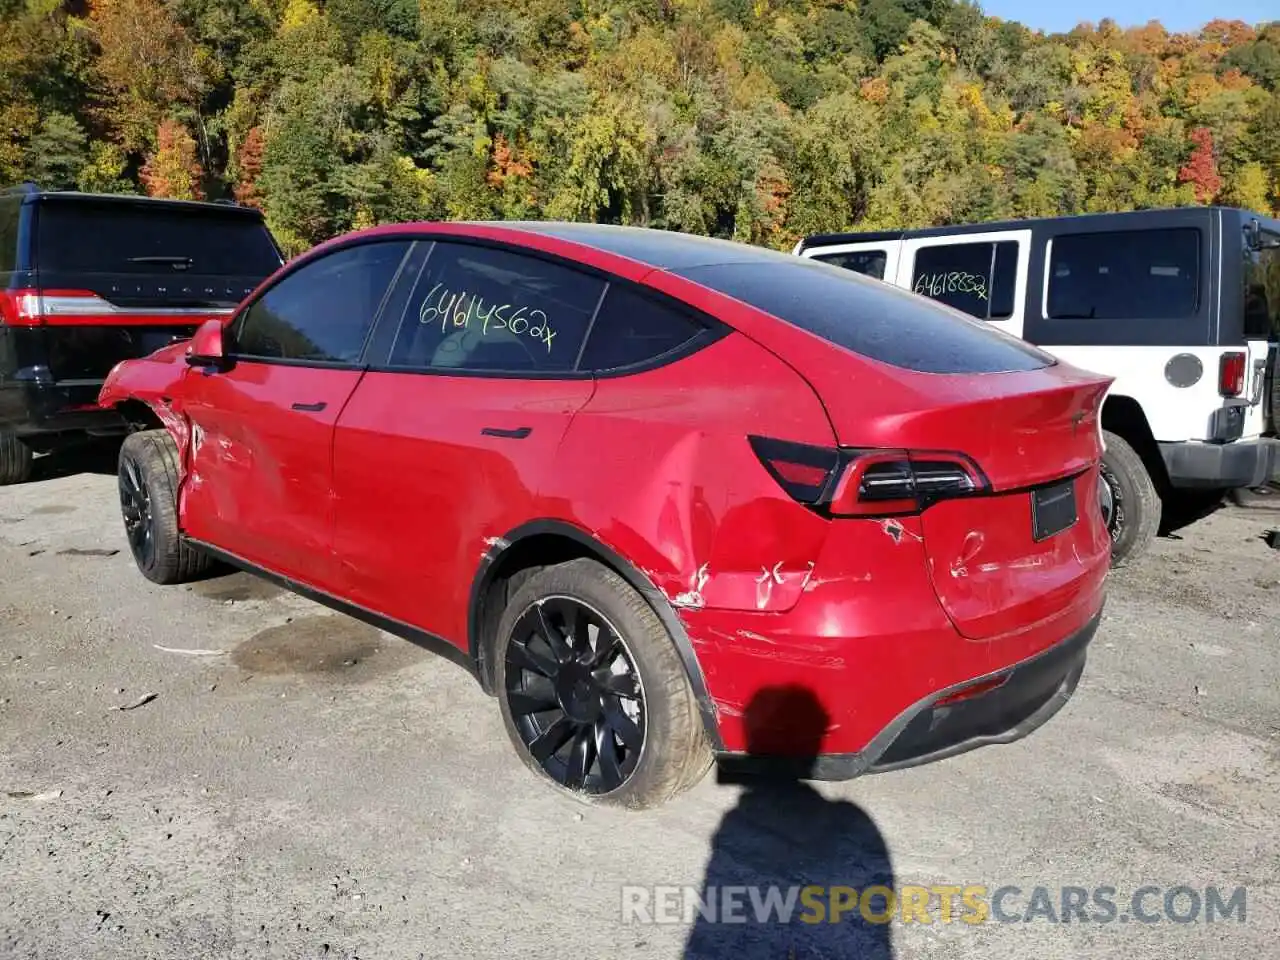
point(1181, 307)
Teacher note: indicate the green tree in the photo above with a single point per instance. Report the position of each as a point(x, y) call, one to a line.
point(57, 152)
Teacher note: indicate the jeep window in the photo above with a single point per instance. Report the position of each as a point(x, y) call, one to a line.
point(977, 278)
point(1262, 287)
point(874, 319)
point(631, 328)
point(1125, 275)
point(323, 311)
point(480, 309)
point(869, 263)
point(78, 236)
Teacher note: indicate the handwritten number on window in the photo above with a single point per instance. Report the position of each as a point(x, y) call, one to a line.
point(957, 281)
point(465, 310)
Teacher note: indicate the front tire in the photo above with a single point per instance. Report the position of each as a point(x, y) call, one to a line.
point(592, 691)
point(1134, 515)
point(15, 459)
point(148, 481)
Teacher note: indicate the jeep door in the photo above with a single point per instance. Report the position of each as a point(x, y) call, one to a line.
point(258, 481)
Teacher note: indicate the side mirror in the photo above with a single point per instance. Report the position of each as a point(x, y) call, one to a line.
point(206, 347)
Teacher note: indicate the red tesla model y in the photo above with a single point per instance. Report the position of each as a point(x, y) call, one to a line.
point(633, 479)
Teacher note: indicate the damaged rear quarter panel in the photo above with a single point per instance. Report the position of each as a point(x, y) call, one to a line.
point(685, 500)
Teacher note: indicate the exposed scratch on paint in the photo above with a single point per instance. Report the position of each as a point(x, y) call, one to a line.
point(897, 531)
point(765, 582)
point(1027, 563)
point(749, 635)
point(497, 543)
point(815, 582)
point(775, 574)
point(808, 574)
point(989, 568)
point(973, 541)
point(728, 709)
point(693, 596)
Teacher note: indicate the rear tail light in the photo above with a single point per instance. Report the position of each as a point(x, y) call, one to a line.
point(30, 308)
point(803, 471)
point(864, 483)
point(20, 308)
point(1231, 368)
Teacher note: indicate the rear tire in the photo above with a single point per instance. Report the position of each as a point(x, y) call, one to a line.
point(148, 481)
point(557, 699)
point(15, 460)
point(1136, 507)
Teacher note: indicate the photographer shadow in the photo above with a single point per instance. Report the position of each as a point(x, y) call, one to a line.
point(782, 837)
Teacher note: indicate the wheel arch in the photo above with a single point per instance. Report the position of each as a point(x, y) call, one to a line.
point(1124, 416)
point(138, 414)
point(541, 543)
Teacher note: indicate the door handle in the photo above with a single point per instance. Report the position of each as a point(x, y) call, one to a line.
point(519, 433)
point(310, 407)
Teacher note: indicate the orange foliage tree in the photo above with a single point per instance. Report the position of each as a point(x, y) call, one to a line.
point(249, 168)
point(1201, 169)
point(172, 169)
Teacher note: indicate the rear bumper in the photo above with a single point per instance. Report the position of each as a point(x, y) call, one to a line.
point(71, 406)
point(1028, 694)
point(1242, 463)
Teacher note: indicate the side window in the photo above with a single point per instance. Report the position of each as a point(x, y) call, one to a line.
point(977, 278)
point(1125, 275)
point(871, 263)
point(632, 328)
point(477, 308)
point(322, 312)
point(1262, 288)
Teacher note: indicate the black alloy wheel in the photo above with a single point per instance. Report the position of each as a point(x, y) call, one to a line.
point(139, 521)
point(575, 695)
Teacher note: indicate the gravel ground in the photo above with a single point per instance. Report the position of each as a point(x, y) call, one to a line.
point(302, 785)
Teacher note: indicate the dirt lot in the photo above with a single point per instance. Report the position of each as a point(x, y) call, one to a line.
point(304, 786)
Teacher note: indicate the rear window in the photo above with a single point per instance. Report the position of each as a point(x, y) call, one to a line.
point(1125, 275)
point(871, 318)
point(77, 237)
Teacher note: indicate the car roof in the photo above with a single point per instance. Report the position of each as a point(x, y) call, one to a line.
point(660, 249)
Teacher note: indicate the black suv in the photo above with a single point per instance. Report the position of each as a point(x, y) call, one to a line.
point(87, 281)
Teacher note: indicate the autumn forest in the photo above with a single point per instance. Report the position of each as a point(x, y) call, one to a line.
point(760, 120)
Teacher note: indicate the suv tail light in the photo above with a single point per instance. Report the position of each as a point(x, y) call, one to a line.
point(1231, 369)
point(30, 308)
point(20, 308)
point(845, 482)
